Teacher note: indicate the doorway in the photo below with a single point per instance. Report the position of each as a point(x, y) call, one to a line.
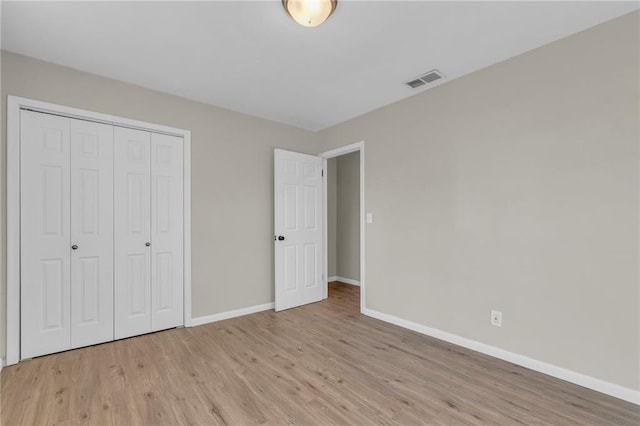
point(343, 225)
point(344, 222)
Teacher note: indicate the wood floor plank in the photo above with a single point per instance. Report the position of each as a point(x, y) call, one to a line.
point(320, 364)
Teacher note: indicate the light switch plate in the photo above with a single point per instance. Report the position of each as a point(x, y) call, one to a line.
point(369, 217)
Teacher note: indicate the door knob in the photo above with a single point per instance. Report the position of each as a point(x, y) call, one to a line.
point(147, 244)
point(280, 238)
point(74, 247)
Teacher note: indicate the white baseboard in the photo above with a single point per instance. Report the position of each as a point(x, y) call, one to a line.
point(1, 363)
point(599, 385)
point(231, 314)
point(344, 280)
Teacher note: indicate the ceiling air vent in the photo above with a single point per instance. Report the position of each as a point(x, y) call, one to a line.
point(427, 78)
point(415, 83)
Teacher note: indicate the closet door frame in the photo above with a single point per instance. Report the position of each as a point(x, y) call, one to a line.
point(14, 105)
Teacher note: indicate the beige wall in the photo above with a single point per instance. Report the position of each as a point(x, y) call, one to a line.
point(343, 215)
point(232, 175)
point(348, 216)
point(515, 188)
point(332, 215)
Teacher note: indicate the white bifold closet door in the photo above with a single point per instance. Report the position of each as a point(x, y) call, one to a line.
point(91, 233)
point(66, 270)
point(132, 218)
point(167, 229)
point(148, 232)
point(101, 233)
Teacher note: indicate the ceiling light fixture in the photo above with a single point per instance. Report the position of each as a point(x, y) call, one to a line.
point(309, 13)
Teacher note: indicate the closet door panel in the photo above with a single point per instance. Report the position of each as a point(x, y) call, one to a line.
point(91, 233)
point(166, 231)
point(132, 214)
point(45, 235)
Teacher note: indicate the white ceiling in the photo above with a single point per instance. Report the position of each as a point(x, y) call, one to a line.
point(253, 58)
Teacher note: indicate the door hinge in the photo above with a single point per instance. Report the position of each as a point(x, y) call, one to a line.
point(322, 172)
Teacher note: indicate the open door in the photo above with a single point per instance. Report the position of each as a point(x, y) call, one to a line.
point(298, 229)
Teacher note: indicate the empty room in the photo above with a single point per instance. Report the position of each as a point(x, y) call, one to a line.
point(319, 212)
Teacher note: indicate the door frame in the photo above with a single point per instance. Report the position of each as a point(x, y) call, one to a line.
point(347, 149)
point(14, 105)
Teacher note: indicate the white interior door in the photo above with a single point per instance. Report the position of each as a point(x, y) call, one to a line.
point(45, 236)
point(91, 233)
point(298, 229)
point(166, 231)
point(132, 228)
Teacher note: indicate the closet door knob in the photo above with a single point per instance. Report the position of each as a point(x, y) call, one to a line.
point(74, 247)
point(147, 244)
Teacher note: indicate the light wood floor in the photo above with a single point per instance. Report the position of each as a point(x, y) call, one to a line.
point(319, 364)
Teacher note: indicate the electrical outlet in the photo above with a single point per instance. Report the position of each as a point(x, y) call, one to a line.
point(496, 318)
